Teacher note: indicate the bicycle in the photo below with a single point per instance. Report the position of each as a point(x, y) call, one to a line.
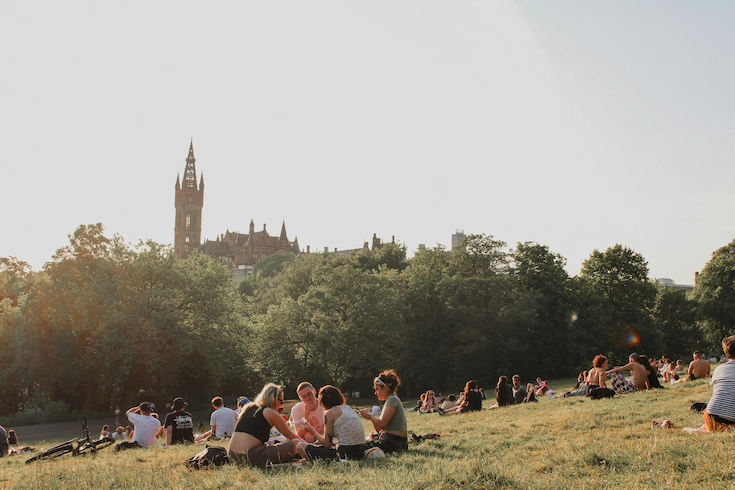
point(75, 446)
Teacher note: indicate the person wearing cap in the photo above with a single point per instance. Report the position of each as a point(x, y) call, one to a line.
point(241, 402)
point(146, 427)
point(638, 381)
point(179, 424)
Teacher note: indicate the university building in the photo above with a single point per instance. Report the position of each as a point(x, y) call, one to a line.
point(242, 250)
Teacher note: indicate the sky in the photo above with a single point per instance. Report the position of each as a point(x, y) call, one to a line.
point(576, 125)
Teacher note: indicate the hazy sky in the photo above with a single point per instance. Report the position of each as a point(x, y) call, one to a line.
point(577, 125)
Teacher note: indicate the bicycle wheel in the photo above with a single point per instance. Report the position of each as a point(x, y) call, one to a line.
point(103, 443)
point(54, 452)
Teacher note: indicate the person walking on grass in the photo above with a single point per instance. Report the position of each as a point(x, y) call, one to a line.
point(719, 415)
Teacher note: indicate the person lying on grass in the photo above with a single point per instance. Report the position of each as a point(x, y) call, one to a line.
point(391, 424)
point(248, 442)
point(341, 422)
point(719, 415)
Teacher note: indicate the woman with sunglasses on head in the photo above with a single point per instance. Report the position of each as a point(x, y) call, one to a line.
point(391, 424)
point(248, 442)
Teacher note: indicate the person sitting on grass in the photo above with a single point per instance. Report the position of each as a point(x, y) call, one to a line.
point(519, 392)
point(105, 432)
point(470, 401)
point(719, 415)
point(450, 402)
point(340, 422)
point(252, 431)
point(597, 377)
point(651, 371)
point(430, 404)
point(146, 428)
point(178, 424)
point(222, 422)
point(308, 409)
point(503, 393)
point(699, 368)
point(391, 425)
point(638, 381)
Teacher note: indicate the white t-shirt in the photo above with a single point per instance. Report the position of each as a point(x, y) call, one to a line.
point(224, 418)
point(146, 428)
point(315, 419)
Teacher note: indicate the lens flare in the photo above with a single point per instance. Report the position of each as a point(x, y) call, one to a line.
point(629, 338)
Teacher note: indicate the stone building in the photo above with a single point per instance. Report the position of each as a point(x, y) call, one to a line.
point(242, 250)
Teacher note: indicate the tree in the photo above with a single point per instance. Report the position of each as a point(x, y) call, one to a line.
point(675, 317)
point(715, 295)
point(620, 276)
point(344, 327)
point(541, 273)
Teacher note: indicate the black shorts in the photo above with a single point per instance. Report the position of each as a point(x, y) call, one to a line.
point(390, 443)
point(341, 452)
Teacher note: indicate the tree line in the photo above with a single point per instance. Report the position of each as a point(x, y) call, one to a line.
point(107, 324)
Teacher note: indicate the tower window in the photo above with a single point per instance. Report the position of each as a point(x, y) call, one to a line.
point(187, 239)
point(188, 221)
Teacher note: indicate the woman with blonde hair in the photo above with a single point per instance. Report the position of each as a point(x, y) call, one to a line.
point(391, 424)
point(248, 442)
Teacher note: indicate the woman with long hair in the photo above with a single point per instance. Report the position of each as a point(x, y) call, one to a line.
point(503, 393)
point(391, 424)
point(340, 422)
point(248, 442)
point(469, 401)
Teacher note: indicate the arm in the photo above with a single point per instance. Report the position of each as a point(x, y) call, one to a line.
point(620, 368)
point(297, 412)
point(326, 438)
point(275, 419)
point(169, 434)
point(380, 423)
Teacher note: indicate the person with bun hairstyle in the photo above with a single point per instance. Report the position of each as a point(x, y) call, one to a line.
point(252, 431)
point(340, 422)
point(391, 424)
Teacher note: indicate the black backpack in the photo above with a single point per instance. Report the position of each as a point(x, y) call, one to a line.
point(208, 457)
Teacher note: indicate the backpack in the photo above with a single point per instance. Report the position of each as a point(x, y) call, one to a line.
point(208, 457)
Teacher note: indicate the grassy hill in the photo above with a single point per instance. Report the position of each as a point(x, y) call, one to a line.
point(556, 443)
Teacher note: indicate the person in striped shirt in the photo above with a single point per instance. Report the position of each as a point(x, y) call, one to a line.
point(720, 412)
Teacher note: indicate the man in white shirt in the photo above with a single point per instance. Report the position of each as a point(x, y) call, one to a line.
point(146, 427)
point(308, 408)
point(221, 423)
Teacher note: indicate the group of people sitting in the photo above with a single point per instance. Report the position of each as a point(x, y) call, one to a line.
point(644, 375)
point(322, 425)
point(470, 400)
point(318, 420)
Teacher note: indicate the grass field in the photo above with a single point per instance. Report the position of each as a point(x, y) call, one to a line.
point(556, 443)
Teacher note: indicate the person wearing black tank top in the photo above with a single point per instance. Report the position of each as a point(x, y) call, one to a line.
point(248, 443)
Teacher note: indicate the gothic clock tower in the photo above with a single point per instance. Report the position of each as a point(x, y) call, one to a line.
point(189, 203)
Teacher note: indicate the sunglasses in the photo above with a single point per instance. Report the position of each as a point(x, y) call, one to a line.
point(280, 400)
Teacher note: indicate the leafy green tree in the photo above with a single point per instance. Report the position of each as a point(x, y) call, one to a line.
point(389, 256)
point(675, 317)
point(620, 276)
point(344, 327)
point(273, 264)
point(715, 295)
point(541, 274)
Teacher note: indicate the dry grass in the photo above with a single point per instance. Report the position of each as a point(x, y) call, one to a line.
point(561, 443)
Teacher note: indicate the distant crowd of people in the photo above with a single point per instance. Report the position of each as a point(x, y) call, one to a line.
point(323, 426)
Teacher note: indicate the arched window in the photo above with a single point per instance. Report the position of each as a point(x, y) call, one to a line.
point(187, 239)
point(188, 223)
